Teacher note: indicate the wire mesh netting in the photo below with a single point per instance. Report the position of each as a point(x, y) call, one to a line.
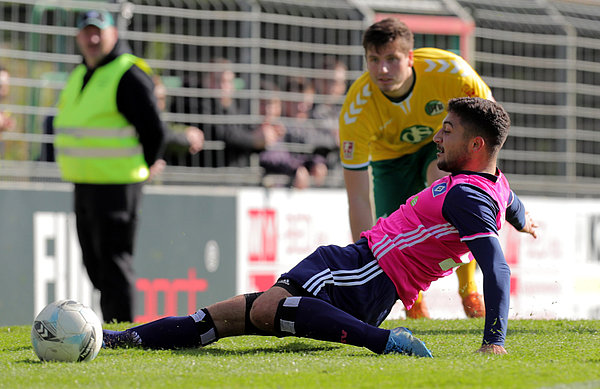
point(223, 62)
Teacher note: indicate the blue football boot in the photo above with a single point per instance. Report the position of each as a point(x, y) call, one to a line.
point(402, 341)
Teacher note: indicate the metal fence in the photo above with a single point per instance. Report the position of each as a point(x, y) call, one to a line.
point(539, 57)
point(184, 43)
point(541, 60)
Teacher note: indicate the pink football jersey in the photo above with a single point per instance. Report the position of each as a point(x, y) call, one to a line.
point(416, 245)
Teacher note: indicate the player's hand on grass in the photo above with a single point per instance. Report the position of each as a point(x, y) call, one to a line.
point(492, 349)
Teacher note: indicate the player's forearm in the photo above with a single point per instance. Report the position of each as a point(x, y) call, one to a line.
point(359, 201)
point(496, 287)
point(515, 213)
point(360, 219)
point(496, 292)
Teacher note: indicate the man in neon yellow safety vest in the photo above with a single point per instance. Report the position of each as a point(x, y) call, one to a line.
point(109, 138)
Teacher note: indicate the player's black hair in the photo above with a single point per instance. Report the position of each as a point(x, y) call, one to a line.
point(484, 118)
point(388, 30)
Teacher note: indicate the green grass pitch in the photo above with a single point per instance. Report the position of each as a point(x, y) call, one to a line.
point(542, 354)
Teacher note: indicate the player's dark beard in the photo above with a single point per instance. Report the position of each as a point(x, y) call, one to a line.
point(453, 165)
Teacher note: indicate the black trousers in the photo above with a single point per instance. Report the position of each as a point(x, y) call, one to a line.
point(107, 217)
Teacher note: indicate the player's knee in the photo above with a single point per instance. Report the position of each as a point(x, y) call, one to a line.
point(262, 312)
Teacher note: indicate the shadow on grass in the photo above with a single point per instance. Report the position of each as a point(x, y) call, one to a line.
point(35, 361)
point(546, 331)
point(513, 328)
point(20, 348)
point(479, 331)
point(289, 348)
point(30, 362)
point(450, 331)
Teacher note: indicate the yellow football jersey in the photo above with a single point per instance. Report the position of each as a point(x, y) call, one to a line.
point(373, 128)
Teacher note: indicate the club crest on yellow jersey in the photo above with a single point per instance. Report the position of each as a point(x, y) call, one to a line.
point(415, 134)
point(434, 107)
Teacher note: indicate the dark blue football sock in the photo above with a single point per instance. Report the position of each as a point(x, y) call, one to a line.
point(314, 318)
point(172, 332)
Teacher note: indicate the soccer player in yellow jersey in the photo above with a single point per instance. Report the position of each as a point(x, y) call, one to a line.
point(388, 121)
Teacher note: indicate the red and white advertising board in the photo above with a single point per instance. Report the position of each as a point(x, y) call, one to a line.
point(554, 276)
point(277, 228)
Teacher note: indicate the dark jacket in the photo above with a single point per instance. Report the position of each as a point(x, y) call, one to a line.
point(136, 101)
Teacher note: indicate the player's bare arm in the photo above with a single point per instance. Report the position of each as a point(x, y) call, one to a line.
point(359, 201)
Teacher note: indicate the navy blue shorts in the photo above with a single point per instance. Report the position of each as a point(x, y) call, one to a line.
point(348, 278)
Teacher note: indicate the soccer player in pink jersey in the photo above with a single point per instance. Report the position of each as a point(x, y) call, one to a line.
point(343, 294)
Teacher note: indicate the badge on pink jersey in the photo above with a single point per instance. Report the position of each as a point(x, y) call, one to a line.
point(439, 189)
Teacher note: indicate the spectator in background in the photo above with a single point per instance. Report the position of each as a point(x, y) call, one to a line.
point(7, 123)
point(178, 139)
point(300, 167)
point(241, 140)
point(108, 149)
point(302, 129)
point(275, 159)
point(327, 114)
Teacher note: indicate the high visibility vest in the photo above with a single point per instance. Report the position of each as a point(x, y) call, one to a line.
point(94, 142)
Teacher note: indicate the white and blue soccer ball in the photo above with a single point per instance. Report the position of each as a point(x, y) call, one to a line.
point(66, 331)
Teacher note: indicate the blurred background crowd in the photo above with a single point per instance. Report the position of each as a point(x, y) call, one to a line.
point(252, 89)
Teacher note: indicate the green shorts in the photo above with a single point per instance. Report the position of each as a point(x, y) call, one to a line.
point(395, 180)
